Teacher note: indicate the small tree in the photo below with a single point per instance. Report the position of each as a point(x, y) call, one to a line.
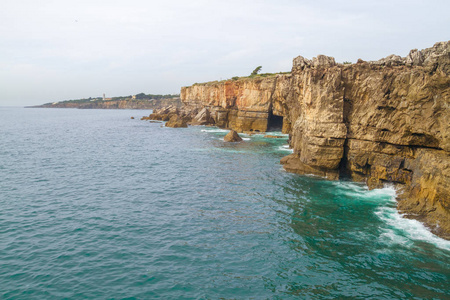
point(256, 71)
point(140, 96)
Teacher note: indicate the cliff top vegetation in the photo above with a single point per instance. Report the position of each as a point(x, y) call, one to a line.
point(140, 96)
point(262, 75)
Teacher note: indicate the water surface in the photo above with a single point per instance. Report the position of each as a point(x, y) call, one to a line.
point(96, 205)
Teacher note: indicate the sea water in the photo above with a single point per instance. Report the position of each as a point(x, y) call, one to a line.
point(96, 205)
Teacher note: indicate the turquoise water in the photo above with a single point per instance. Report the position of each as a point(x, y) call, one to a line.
point(96, 205)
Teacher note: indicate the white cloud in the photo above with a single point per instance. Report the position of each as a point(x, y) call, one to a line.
point(123, 46)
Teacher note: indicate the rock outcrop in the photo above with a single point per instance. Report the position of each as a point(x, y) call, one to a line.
point(176, 121)
point(379, 122)
point(232, 136)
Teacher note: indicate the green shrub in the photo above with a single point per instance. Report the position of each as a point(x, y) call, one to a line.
point(256, 71)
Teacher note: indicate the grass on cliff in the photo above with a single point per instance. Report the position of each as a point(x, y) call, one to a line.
point(263, 75)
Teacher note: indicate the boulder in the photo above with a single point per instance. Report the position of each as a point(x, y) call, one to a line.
point(323, 61)
point(414, 58)
point(203, 118)
point(391, 60)
point(300, 62)
point(176, 122)
point(232, 136)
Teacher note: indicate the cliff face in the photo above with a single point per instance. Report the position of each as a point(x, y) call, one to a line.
point(378, 122)
point(243, 105)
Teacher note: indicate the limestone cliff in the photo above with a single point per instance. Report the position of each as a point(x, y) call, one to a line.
point(238, 104)
point(380, 122)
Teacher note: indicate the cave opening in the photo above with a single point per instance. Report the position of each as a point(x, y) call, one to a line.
point(344, 171)
point(275, 123)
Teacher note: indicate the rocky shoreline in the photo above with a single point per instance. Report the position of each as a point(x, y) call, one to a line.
point(377, 122)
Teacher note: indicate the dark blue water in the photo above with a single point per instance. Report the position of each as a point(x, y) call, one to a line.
point(96, 205)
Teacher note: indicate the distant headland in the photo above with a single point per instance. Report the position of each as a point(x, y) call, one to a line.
point(138, 101)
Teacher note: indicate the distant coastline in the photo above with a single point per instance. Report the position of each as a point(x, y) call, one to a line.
point(140, 101)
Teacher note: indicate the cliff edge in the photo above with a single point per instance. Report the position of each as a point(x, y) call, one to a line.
point(377, 122)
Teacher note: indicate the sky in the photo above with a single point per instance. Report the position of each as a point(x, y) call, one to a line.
point(53, 50)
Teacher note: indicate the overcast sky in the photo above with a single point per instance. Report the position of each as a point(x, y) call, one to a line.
point(64, 49)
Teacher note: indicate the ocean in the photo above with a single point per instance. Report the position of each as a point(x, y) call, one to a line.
point(96, 205)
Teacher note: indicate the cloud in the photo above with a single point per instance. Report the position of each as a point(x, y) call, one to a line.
point(122, 46)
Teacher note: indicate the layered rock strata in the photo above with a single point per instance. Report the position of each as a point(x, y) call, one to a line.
point(379, 122)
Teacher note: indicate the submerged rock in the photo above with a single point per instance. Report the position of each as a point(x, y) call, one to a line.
point(232, 136)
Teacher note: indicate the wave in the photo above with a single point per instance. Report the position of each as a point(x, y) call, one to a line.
point(360, 190)
point(286, 148)
point(214, 130)
point(404, 231)
point(397, 230)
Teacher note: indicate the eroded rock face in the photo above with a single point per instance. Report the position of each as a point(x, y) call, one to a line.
point(242, 105)
point(426, 197)
point(379, 122)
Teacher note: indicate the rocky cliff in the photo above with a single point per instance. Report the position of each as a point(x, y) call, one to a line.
point(379, 122)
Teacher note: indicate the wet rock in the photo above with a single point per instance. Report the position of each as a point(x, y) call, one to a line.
point(176, 122)
point(232, 136)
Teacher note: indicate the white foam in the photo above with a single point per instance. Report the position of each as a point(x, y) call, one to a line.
point(277, 133)
point(398, 230)
point(214, 130)
point(286, 148)
point(401, 228)
point(352, 189)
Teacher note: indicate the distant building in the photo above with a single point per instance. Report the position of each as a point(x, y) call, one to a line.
point(106, 99)
point(133, 97)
